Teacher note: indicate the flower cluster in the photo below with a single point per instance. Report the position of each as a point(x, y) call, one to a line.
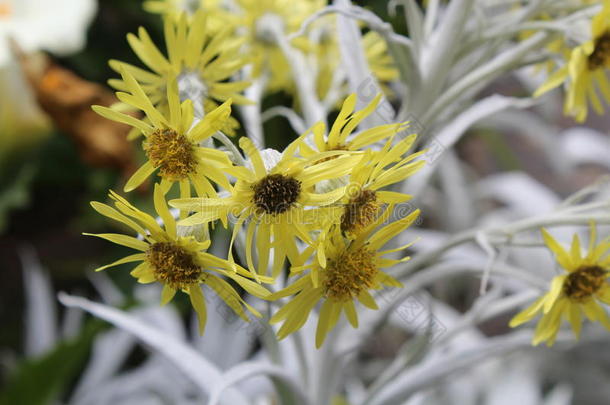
point(321, 208)
point(324, 207)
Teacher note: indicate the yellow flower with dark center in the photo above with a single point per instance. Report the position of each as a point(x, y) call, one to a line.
point(179, 263)
point(572, 295)
point(201, 62)
point(360, 211)
point(585, 73)
point(351, 270)
point(273, 201)
point(172, 145)
point(370, 176)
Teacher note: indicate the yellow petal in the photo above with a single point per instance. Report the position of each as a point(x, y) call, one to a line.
point(163, 211)
point(527, 314)
point(575, 250)
point(560, 254)
point(128, 259)
point(139, 176)
point(323, 198)
point(555, 80)
point(549, 325)
point(253, 288)
point(254, 155)
point(382, 236)
point(123, 118)
point(350, 313)
point(324, 321)
point(230, 297)
point(111, 213)
point(291, 289)
point(553, 294)
point(300, 313)
point(167, 294)
point(123, 240)
point(346, 109)
point(198, 302)
point(367, 300)
point(392, 197)
point(575, 319)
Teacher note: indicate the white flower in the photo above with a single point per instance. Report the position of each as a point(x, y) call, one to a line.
point(57, 26)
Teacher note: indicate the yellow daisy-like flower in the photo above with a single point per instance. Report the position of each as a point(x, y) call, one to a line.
point(177, 262)
point(586, 71)
point(200, 60)
point(365, 196)
point(172, 145)
point(341, 135)
point(274, 201)
point(573, 294)
point(352, 269)
point(257, 18)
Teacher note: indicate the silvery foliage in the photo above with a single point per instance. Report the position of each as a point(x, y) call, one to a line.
point(486, 229)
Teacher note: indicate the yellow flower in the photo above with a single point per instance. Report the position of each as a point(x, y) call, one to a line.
point(172, 145)
point(585, 72)
point(352, 269)
point(177, 262)
point(201, 62)
point(274, 201)
point(257, 17)
point(342, 129)
point(573, 294)
point(374, 172)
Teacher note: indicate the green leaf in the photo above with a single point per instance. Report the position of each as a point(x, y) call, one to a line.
point(41, 380)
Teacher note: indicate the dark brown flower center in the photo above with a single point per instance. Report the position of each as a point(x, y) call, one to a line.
point(172, 153)
point(173, 265)
point(584, 282)
point(360, 211)
point(276, 193)
point(601, 53)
